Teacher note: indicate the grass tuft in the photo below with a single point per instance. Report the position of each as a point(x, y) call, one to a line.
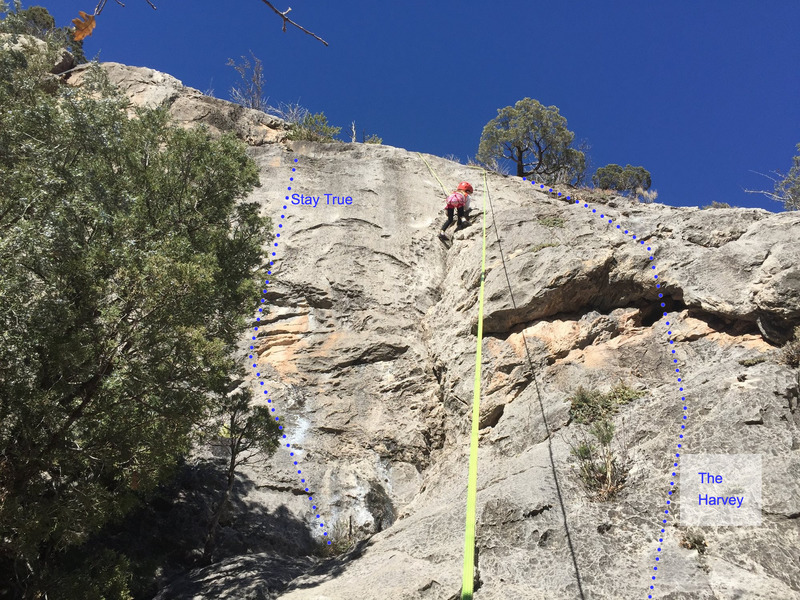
point(589, 406)
point(552, 221)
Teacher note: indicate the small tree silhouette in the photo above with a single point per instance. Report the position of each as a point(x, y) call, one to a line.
point(248, 435)
point(250, 92)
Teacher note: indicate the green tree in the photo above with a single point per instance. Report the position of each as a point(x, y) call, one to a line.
point(536, 138)
point(35, 20)
point(38, 22)
point(127, 262)
point(627, 179)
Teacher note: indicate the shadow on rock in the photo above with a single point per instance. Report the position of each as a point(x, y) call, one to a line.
point(262, 576)
point(164, 538)
point(329, 569)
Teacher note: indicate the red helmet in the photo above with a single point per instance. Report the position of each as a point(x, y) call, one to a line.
point(464, 185)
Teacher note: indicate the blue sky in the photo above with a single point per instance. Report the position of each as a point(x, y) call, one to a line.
point(699, 93)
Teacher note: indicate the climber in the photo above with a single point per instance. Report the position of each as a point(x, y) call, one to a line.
point(458, 201)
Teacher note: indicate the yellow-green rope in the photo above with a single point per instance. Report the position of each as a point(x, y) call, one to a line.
point(472, 478)
point(472, 482)
point(433, 173)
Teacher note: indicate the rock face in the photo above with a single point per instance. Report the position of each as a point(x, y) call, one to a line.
point(187, 106)
point(366, 349)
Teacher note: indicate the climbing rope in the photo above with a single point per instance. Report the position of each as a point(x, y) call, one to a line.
point(468, 577)
point(467, 580)
point(472, 480)
point(433, 173)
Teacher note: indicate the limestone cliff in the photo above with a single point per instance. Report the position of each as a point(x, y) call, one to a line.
point(367, 349)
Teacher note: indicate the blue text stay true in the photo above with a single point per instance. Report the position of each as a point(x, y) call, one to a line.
point(328, 199)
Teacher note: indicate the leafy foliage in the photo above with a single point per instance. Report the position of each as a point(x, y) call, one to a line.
point(308, 126)
point(751, 362)
point(536, 138)
point(342, 540)
point(101, 575)
point(627, 179)
point(127, 264)
point(314, 128)
point(588, 405)
point(715, 204)
point(38, 22)
point(551, 221)
point(544, 245)
point(602, 467)
point(247, 434)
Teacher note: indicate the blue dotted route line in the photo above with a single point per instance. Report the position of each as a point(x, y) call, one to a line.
point(677, 370)
point(269, 400)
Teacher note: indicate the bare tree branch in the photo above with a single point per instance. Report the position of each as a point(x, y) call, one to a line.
point(769, 176)
point(770, 195)
point(102, 4)
point(288, 20)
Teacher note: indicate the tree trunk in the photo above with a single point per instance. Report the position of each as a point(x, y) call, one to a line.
point(208, 548)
